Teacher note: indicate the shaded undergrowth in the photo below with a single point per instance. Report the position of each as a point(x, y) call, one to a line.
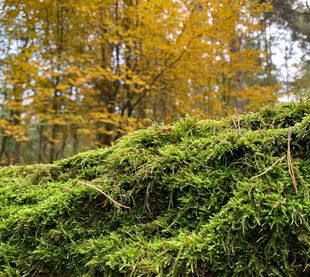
point(205, 198)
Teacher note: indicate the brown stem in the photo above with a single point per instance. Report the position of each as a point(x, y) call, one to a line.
point(103, 193)
point(289, 159)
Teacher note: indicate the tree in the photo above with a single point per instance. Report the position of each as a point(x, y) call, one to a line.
point(294, 13)
point(79, 74)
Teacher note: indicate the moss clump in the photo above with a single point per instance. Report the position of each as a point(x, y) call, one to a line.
point(206, 199)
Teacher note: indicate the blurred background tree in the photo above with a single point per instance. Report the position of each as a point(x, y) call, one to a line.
point(79, 74)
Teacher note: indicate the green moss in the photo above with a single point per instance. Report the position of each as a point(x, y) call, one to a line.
point(195, 208)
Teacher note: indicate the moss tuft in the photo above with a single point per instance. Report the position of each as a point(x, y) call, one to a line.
point(206, 198)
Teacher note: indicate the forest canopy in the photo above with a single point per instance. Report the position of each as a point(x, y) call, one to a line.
point(79, 74)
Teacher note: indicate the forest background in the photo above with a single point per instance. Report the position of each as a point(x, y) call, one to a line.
point(77, 74)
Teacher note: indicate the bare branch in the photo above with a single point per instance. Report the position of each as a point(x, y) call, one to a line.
point(115, 203)
point(269, 168)
point(289, 159)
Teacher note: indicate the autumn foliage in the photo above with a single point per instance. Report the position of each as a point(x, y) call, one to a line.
point(79, 74)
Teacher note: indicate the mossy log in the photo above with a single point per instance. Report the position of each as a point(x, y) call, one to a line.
point(198, 198)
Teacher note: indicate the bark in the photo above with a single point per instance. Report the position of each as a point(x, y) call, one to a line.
point(3, 147)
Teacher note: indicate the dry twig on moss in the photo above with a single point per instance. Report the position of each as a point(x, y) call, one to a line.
point(103, 193)
point(236, 124)
point(289, 159)
point(269, 168)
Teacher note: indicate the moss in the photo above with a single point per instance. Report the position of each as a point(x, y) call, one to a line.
point(206, 198)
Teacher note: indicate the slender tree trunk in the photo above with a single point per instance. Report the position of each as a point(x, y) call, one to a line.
point(57, 93)
point(41, 138)
point(3, 146)
point(15, 115)
point(75, 140)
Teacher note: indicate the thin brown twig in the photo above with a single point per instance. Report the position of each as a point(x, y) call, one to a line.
point(238, 125)
point(234, 122)
point(289, 159)
point(103, 193)
point(269, 168)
